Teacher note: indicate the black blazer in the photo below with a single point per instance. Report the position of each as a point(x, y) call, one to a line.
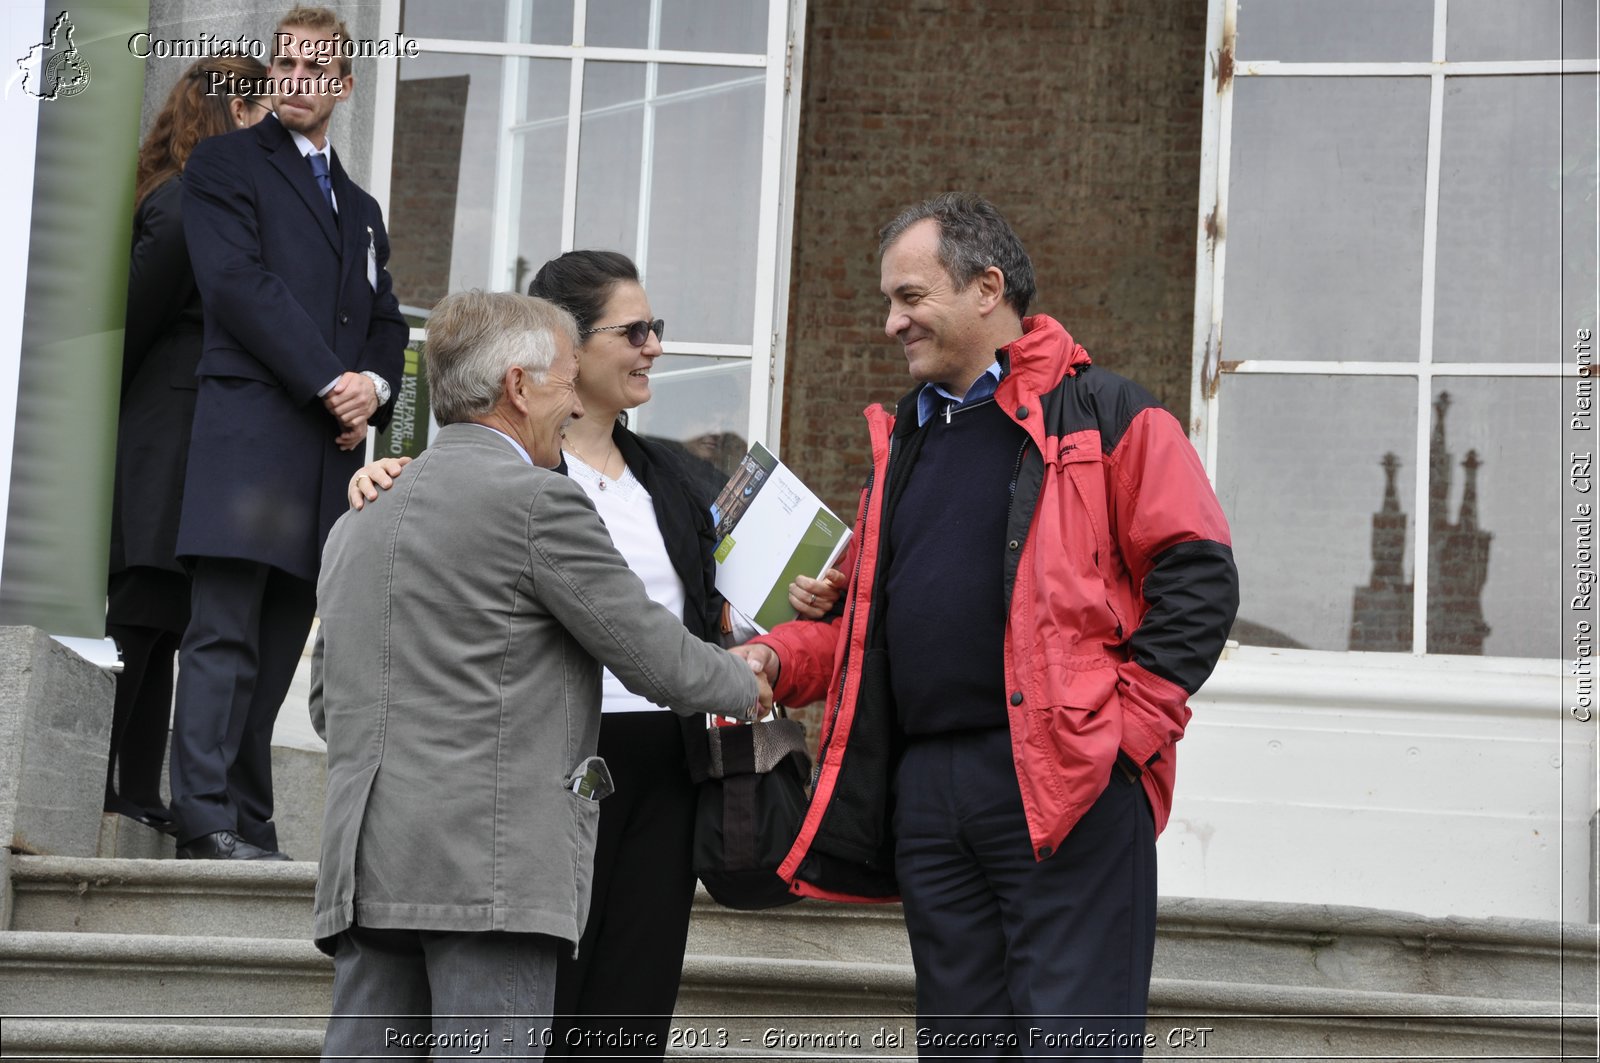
point(161, 346)
point(291, 300)
point(681, 496)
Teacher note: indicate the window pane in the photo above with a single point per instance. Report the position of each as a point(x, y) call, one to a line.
point(714, 25)
point(1497, 469)
point(536, 21)
point(687, 25)
point(702, 404)
point(538, 167)
point(1316, 475)
point(705, 187)
point(1528, 29)
point(1310, 31)
point(1324, 237)
point(610, 147)
point(706, 199)
point(1516, 216)
point(617, 24)
point(449, 131)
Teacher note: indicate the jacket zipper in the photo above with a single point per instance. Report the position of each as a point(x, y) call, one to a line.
point(1011, 503)
point(1016, 474)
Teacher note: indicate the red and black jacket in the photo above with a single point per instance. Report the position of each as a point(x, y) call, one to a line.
point(1120, 591)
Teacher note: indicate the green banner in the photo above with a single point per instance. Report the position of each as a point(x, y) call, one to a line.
point(88, 89)
point(407, 433)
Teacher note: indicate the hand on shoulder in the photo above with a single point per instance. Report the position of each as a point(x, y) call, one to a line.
point(372, 478)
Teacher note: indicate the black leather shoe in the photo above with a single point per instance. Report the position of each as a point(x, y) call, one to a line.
point(158, 818)
point(224, 845)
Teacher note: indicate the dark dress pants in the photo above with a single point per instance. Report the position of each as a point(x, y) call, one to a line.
point(617, 997)
point(247, 629)
point(1013, 956)
point(427, 994)
point(147, 610)
point(139, 718)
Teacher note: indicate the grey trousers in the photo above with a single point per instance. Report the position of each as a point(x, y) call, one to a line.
point(424, 994)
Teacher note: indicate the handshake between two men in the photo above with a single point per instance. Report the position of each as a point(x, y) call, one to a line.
point(465, 619)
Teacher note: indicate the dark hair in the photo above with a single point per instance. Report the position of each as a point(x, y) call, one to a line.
point(580, 282)
point(972, 237)
point(192, 113)
point(315, 18)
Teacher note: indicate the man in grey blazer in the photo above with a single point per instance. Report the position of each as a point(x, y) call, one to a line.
point(457, 683)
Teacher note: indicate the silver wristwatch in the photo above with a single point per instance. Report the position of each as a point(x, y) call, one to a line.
point(378, 383)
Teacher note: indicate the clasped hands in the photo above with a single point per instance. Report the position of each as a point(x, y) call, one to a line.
point(352, 400)
point(763, 705)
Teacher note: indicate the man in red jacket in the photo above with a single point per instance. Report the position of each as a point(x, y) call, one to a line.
point(1040, 577)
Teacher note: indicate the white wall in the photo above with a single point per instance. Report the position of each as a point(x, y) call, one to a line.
point(1441, 786)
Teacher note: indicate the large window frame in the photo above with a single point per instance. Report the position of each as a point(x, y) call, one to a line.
point(777, 69)
point(1210, 370)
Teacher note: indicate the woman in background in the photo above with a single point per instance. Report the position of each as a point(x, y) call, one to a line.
point(148, 592)
point(657, 508)
point(617, 997)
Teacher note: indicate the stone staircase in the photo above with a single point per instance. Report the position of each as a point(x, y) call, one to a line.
point(132, 955)
point(157, 959)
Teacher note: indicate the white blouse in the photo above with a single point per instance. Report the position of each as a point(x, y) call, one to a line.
point(630, 517)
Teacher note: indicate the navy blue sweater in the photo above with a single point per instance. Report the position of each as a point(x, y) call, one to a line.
point(946, 616)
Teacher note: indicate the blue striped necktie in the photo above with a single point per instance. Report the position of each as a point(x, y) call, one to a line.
point(319, 168)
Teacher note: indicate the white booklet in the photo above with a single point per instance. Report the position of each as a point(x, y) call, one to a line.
point(770, 529)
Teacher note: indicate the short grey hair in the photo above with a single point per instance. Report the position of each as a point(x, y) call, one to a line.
point(475, 337)
point(972, 237)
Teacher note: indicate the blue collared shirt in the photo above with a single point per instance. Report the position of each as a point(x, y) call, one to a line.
point(928, 399)
point(523, 453)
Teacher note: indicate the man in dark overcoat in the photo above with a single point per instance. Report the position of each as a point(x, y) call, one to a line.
point(303, 344)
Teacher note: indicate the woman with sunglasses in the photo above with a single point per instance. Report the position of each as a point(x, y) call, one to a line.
point(616, 998)
point(147, 594)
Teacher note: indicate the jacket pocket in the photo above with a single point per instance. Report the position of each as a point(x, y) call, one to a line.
point(591, 780)
point(1070, 558)
point(1071, 739)
point(582, 830)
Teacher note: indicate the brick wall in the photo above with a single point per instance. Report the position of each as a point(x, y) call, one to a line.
point(429, 117)
point(1080, 119)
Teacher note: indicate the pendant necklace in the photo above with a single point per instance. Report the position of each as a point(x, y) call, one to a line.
point(601, 469)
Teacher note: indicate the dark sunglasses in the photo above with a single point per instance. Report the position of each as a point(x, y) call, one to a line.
point(638, 332)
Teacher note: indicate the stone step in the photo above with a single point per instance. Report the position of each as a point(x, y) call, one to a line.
point(195, 898)
point(1315, 946)
point(779, 1010)
point(869, 1010)
point(1284, 1022)
point(1340, 947)
point(806, 930)
point(100, 1040)
point(771, 1005)
point(226, 980)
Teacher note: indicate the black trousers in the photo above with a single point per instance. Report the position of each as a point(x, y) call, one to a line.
point(247, 628)
point(616, 998)
point(1013, 956)
point(139, 718)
